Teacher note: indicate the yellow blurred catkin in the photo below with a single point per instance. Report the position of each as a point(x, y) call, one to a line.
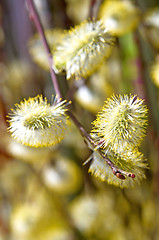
point(120, 16)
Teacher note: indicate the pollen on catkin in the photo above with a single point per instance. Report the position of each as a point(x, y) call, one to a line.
point(121, 122)
point(37, 124)
point(83, 49)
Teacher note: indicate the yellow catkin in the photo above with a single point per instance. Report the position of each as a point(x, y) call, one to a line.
point(37, 124)
point(83, 49)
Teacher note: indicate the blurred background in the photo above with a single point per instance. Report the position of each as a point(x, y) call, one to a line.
point(47, 193)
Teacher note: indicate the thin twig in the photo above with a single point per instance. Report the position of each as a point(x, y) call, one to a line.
point(117, 171)
point(34, 16)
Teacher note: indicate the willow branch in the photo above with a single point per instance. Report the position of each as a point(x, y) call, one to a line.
point(35, 18)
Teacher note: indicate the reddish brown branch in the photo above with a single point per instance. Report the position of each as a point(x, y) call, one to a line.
point(35, 18)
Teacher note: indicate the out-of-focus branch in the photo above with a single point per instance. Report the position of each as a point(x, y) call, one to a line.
point(94, 7)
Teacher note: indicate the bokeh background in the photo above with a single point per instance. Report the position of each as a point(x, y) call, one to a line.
point(47, 193)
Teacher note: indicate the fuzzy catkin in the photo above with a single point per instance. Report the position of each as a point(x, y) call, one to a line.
point(83, 49)
point(37, 124)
